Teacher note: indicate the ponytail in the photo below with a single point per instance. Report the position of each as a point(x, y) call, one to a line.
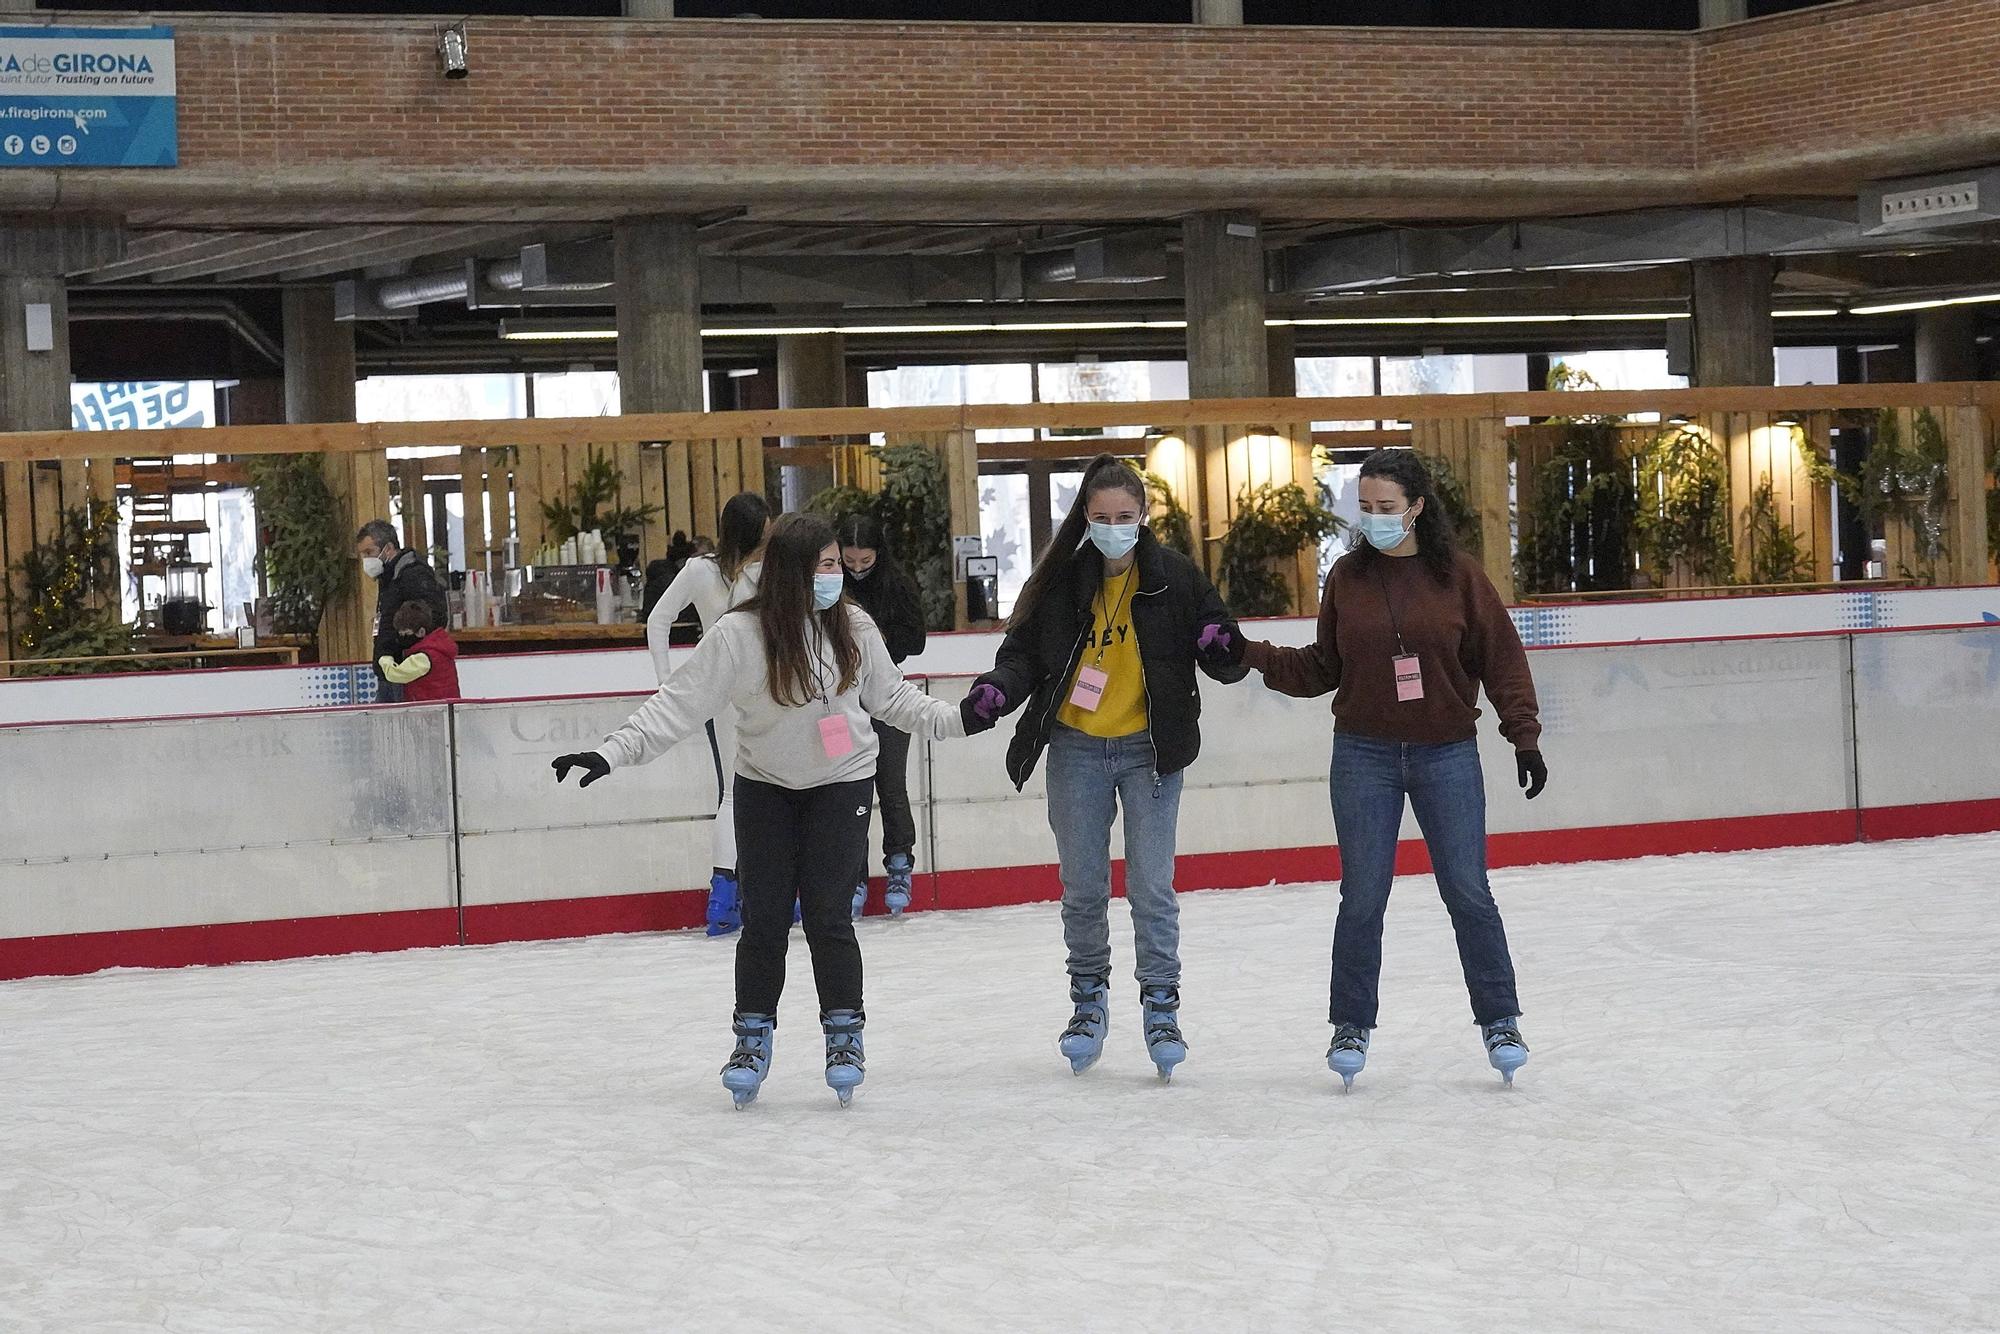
point(1105, 473)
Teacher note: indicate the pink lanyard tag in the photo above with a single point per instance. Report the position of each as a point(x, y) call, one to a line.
point(1409, 677)
point(1088, 692)
point(835, 737)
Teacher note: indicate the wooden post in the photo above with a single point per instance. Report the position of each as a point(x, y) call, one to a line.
point(19, 535)
point(1486, 493)
point(1968, 446)
point(410, 484)
point(677, 482)
point(656, 536)
point(472, 497)
point(528, 523)
point(961, 469)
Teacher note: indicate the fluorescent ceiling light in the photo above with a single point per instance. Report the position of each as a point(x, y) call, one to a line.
point(1895, 307)
point(1813, 313)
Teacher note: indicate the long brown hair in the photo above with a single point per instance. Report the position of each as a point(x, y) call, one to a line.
point(1105, 473)
point(743, 522)
point(784, 608)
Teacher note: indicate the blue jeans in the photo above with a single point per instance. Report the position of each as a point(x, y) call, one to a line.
point(1370, 778)
point(1088, 777)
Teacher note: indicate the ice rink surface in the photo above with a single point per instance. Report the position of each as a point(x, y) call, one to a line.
point(1764, 1095)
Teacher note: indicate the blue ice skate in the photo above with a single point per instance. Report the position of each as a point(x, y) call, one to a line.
point(897, 897)
point(725, 913)
point(1083, 1041)
point(845, 1063)
point(860, 898)
point(743, 1073)
point(1348, 1053)
point(1504, 1049)
point(1162, 1005)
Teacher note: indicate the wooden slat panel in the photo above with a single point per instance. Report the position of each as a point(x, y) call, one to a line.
point(1486, 490)
point(728, 475)
point(410, 491)
point(961, 464)
point(678, 485)
point(652, 495)
point(45, 486)
point(499, 502)
point(472, 496)
point(1967, 442)
point(528, 502)
point(701, 467)
point(16, 536)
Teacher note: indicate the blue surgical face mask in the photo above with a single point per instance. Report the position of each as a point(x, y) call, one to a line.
point(1385, 532)
point(1114, 539)
point(827, 589)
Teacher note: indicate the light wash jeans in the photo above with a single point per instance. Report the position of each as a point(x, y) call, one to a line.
point(1088, 778)
point(1370, 779)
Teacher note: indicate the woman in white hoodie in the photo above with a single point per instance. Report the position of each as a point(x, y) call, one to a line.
point(712, 585)
point(807, 671)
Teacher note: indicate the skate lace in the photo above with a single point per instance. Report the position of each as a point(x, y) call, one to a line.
point(843, 1051)
point(1505, 1036)
point(1349, 1039)
point(1082, 1023)
point(745, 1057)
point(1163, 1030)
point(1161, 1017)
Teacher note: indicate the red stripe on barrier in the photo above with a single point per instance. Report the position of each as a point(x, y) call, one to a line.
point(227, 942)
point(560, 919)
point(1930, 821)
point(553, 919)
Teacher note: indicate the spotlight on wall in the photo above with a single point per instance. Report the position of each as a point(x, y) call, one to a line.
point(451, 51)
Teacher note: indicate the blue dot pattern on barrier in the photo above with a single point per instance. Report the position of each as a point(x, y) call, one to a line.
point(1862, 611)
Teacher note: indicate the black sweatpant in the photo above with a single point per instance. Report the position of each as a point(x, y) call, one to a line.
point(892, 789)
point(799, 846)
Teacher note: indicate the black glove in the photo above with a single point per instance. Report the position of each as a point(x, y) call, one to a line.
point(1220, 645)
point(589, 761)
point(982, 707)
point(1533, 772)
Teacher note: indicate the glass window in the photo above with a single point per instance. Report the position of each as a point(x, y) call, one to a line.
point(1337, 377)
point(950, 386)
point(430, 398)
point(1808, 365)
point(584, 394)
point(1114, 382)
point(1003, 521)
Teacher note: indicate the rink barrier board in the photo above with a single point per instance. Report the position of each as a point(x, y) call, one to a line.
point(241, 689)
point(672, 910)
point(1791, 717)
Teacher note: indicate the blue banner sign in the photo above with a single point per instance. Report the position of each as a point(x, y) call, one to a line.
point(87, 97)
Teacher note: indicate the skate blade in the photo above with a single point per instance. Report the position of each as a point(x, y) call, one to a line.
point(740, 1098)
point(846, 1096)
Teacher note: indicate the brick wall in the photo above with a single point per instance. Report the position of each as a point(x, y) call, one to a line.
point(1838, 79)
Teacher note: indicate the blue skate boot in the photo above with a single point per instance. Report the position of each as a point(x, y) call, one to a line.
point(860, 898)
point(897, 897)
point(845, 1063)
point(1083, 1041)
point(1504, 1049)
point(1348, 1053)
point(725, 912)
point(743, 1073)
point(1162, 1006)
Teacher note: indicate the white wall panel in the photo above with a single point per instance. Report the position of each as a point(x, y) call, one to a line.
point(1927, 708)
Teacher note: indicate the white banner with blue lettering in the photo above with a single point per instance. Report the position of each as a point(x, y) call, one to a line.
point(87, 97)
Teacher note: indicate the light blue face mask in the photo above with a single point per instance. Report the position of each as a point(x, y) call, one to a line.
point(1385, 532)
point(1114, 539)
point(827, 589)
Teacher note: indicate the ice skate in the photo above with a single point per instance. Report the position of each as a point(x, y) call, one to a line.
point(860, 898)
point(1504, 1048)
point(743, 1073)
point(845, 1067)
point(1348, 1053)
point(725, 913)
point(1162, 1006)
point(897, 897)
point(1083, 1041)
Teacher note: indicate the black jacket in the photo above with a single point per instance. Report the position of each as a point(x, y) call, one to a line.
point(408, 578)
point(890, 597)
point(1173, 602)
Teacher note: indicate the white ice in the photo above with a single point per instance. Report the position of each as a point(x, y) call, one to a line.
point(1763, 1096)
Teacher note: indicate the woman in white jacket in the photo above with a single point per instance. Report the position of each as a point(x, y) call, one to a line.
point(807, 671)
point(712, 585)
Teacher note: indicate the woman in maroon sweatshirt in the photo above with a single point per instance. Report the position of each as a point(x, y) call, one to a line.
point(1409, 628)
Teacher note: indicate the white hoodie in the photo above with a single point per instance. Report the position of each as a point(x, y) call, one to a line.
point(775, 743)
point(700, 583)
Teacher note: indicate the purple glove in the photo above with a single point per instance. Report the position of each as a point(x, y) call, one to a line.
point(987, 702)
point(1220, 644)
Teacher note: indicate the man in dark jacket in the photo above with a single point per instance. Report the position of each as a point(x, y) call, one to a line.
point(400, 576)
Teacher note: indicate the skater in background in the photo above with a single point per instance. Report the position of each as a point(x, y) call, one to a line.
point(807, 671)
point(1102, 649)
point(400, 576)
point(712, 585)
point(1410, 627)
point(890, 597)
point(426, 667)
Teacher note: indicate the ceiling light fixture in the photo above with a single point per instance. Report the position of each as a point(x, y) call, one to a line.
point(1897, 307)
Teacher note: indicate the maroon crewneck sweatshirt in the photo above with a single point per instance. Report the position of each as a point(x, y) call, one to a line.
point(1459, 631)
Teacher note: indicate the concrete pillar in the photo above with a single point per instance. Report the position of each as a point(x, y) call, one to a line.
point(1732, 321)
point(1219, 13)
point(1282, 360)
point(649, 9)
point(1715, 13)
point(319, 358)
point(812, 373)
point(1228, 353)
point(657, 266)
point(1947, 344)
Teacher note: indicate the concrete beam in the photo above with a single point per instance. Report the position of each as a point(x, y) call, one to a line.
point(1223, 254)
point(1219, 13)
point(1716, 13)
point(1947, 344)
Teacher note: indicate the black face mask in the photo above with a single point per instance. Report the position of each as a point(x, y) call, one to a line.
point(863, 575)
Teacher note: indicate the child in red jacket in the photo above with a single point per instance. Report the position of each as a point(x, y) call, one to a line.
point(429, 668)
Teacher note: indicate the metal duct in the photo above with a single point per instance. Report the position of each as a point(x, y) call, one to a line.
point(211, 310)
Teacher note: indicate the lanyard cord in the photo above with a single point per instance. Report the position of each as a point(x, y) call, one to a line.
point(1124, 596)
point(1389, 602)
point(823, 684)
